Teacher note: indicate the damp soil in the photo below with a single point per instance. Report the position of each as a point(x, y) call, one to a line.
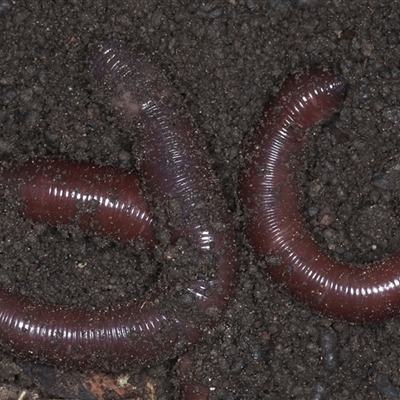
point(226, 58)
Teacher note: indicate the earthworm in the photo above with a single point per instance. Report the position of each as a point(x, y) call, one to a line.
point(175, 175)
point(274, 225)
point(101, 199)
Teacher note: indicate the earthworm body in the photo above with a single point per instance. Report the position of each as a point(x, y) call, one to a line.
point(61, 191)
point(275, 226)
point(173, 170)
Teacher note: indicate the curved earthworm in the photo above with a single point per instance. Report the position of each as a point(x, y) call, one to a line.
point(274, 225)
point(175, 174)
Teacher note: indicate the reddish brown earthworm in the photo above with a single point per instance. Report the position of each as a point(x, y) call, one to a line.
point(274, 224)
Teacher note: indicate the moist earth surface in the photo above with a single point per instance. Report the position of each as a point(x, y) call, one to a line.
point(226, 58)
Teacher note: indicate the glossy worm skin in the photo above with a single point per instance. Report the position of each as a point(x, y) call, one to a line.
point(274, 225)
point(101, 199)
point(174, 170)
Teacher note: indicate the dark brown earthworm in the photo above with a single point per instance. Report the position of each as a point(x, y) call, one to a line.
point(175, 173)
point(274, 224)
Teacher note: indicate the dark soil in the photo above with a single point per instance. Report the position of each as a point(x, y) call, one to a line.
point(226, 58)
